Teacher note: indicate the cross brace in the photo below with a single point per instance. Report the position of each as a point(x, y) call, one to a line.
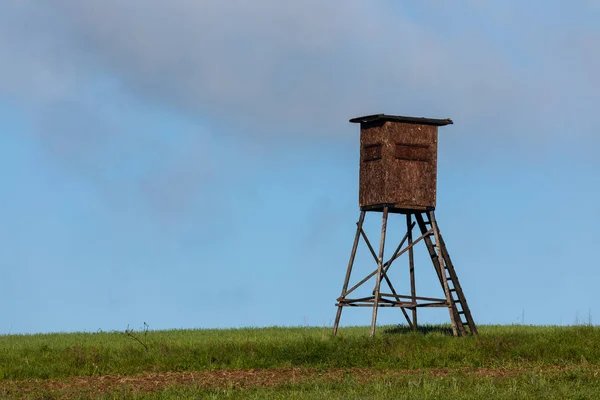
point(460, 314)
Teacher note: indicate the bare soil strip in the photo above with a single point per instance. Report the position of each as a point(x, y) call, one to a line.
point(151, 382)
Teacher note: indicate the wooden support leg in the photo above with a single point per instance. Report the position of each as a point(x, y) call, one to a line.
point(389, 282)
point(384, 270)
point(379, 269)
point(349, 270)
point(411, 260)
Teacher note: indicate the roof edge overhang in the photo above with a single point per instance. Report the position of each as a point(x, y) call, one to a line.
point(399, 118)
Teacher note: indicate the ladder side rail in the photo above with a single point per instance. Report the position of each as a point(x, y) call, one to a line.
point(459, 292)
point(458, 330)
point(435, 260)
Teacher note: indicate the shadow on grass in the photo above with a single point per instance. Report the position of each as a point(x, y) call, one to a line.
point(422, 329)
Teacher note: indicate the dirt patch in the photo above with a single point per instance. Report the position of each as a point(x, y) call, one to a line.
point(151, 382)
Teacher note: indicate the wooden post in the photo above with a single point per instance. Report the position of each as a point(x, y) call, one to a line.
point(384, 270)
point(349, 270)
point(379, 269)
point(389, 282)
point(411, 261)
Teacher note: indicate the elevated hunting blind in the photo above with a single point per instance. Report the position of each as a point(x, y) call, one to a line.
point(398, 162)
point(398, 174)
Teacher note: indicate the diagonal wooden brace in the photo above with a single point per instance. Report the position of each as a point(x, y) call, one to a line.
point(387, 265)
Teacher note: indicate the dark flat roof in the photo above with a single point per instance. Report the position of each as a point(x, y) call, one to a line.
point(399, 118)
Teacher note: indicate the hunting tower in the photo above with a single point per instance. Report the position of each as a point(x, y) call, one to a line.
point(398, 174)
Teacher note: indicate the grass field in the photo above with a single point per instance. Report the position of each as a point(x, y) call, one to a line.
point(505, 362)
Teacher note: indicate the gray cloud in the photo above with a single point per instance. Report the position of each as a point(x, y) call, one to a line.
point(264, 68)
point(256, 63)
point(259, 64)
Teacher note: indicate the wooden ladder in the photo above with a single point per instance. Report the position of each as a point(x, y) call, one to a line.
point(460, 314)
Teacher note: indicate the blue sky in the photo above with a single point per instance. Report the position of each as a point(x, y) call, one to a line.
point(191, 165)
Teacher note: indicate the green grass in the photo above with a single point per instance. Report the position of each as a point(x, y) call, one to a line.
point(518, 348)
point(456, 386)
point(62, 355)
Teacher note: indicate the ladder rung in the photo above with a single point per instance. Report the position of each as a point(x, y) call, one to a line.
point(461, 312)
point(453, 290)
